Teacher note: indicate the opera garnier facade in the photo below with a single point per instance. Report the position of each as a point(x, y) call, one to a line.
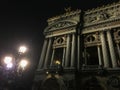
point(81, 51)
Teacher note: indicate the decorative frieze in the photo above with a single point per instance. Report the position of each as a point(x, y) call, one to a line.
point(60, 25)
point(101, 27)
point(102, 14)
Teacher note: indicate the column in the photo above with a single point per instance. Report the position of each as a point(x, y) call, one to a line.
point(52, 58)
point(118, 48)
point(63, 59)
point(67, 57)
point(104, 50)
point(48, 53)
point(111, 48)
point(78, 52)
point(99, 55)
point(73, 51)
point(43, 53)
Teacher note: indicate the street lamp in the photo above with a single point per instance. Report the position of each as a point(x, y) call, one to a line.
point(7, 59)
point(9, 65)
point(22, 49)
point(23, 63)
point(10, 62)
point(15, 65)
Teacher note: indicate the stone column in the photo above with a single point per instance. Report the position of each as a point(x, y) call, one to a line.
point(63, 58)
point(73, 51)
point(67, 57)
point(78, 52)
point(118, 48)
point(52, 58)
point(99, 55)
point(48, 52)
point(111, 48)
point(104, 50)
point(43, 53)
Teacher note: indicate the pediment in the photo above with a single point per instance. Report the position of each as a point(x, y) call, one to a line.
point(60, 25)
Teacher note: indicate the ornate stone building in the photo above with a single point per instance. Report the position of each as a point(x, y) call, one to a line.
point(81, 51)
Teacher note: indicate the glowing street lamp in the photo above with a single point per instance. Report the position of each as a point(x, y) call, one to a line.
point(23, 63)
point(9, 65)
point(7, 59)
point(8, 62)
point(22, 49)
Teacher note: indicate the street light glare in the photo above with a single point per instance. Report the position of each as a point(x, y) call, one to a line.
point(9, 65)
point(23, 63)
point(22, 49)
point(7, 59)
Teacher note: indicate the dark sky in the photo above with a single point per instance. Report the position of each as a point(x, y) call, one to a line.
point(23, 22)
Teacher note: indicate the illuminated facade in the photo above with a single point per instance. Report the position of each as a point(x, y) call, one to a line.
point(81, 51)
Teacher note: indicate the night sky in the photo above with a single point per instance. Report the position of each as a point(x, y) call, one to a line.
point(22, 23)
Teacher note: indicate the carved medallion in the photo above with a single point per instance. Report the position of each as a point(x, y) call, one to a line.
point(113, 81)
point(59, 41)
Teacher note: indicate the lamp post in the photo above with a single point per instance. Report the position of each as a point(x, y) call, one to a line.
point(14, 66)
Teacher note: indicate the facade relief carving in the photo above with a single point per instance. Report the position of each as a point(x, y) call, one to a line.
point(98, 16)
point(103, 16)
point(60, 25)
point(103, 26)
point(59, 42)
point(68, 14)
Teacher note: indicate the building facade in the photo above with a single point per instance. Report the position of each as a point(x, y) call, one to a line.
point(81, 51)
